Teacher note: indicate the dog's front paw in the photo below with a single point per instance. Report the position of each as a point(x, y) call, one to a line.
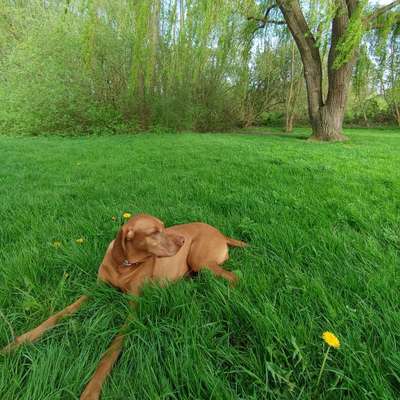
point(234, 277)
point(238, 273)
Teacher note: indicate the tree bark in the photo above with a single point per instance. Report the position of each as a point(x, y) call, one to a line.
point(327, 124)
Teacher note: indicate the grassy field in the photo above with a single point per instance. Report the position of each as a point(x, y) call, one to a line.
point(323, 223)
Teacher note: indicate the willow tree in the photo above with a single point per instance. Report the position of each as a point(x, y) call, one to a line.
point(342, 24)
point(105, 64)
point(387, 53)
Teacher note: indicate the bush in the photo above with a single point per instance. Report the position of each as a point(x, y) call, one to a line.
point(96, 66)
point(274, 118)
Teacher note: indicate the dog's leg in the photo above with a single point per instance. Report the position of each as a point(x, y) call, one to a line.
point(235, 243)
point(218, 271)
point(37, 332)
point(93, 388)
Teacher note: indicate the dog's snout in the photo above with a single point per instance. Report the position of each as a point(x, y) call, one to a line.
point(180, 240)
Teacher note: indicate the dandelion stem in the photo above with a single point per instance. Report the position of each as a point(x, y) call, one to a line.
point(322, 367)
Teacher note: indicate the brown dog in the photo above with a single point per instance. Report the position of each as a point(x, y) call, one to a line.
point(145, 250)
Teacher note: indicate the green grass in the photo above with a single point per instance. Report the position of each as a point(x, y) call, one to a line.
point(323, 224)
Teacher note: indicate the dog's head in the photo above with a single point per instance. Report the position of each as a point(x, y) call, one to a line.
point(144, 236)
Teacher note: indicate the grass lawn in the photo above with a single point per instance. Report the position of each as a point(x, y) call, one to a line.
point(323, 222)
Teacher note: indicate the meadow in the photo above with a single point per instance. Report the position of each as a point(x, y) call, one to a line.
point(323, 226)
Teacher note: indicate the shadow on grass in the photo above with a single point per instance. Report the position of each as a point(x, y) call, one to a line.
point(274, 133)
point(299, 136)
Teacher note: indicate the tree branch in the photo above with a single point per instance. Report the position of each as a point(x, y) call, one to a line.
point(381, 25)
point(297, 24)
point(351, 6)
point(382, 10)
point(264, 22)
point(268, 10)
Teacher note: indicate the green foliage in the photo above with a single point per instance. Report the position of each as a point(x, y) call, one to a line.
point(386, 56)
point(273, 118)
point(323, 227)
point(350, 41)
point(91, 66)
point(371, 110)
point(362, 72)
point(44, 85)
point(100, 63)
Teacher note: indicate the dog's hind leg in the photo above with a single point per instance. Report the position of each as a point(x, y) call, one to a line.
point(217, 270)
point(212, 259)
point(37, 332)
point(93, 388)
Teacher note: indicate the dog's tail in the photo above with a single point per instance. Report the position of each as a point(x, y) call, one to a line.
point(235, 243)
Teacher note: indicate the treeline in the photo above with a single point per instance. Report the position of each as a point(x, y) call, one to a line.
point(105, 65)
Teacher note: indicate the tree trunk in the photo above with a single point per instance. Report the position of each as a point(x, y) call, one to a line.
point(328, 121)
point(398, 116)
point(327, 124)
point(289, 108)
point(289, 123)
point(327, 117)
point(365, 118)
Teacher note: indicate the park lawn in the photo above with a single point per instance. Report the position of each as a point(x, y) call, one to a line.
point(323, 224)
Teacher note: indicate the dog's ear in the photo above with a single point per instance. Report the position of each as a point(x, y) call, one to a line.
point(118, 251)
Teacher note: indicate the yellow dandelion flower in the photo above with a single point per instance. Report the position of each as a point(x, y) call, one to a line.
point(127, 215)
point(331, 340)
point(56, 244)
point(80, 240)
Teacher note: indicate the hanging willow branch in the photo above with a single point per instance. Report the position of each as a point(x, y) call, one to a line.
point(372, 21)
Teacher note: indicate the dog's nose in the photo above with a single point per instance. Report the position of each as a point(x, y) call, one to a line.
point(180, 240)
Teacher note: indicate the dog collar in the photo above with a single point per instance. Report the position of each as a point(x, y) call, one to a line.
point(127, 263)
